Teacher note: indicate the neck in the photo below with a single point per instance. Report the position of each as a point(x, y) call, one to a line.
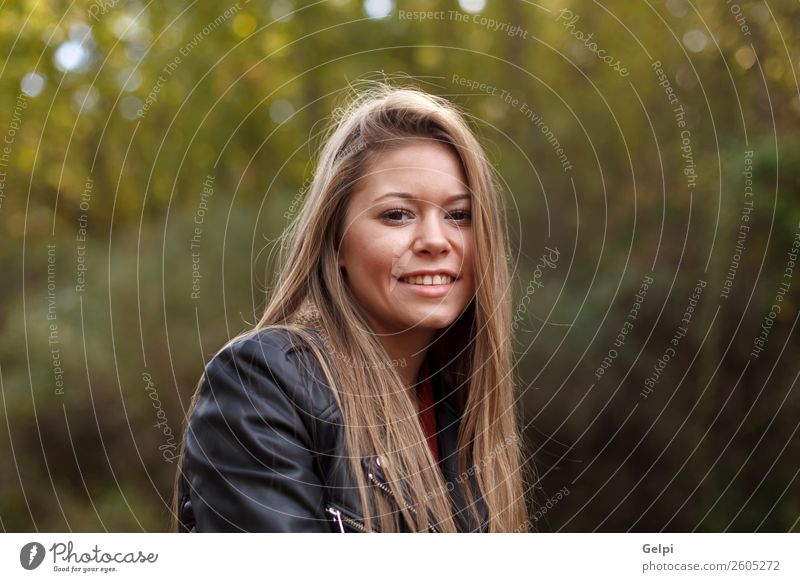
point(407, 351)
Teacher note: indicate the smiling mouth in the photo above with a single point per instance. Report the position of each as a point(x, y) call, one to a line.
point(428, 280)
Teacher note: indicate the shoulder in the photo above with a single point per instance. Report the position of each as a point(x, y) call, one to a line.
point(268, 363)
point(272, 343)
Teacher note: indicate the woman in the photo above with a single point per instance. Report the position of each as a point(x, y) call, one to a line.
point(376, 392)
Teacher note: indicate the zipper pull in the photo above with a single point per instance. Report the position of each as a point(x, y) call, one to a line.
point(337, 518)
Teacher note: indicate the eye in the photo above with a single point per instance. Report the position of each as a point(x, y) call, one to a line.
point(460, 215)
point(396, 214)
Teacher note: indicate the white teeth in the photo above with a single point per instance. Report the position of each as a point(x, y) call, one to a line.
point(428, 280)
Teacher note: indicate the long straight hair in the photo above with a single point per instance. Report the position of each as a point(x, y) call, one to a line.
point(473, 355)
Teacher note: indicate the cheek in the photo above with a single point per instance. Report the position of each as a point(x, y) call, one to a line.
point(373, 254)
point(377, 259)
point(468, 255)
point(469, 265)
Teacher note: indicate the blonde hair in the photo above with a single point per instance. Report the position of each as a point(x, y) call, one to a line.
point(473, 355)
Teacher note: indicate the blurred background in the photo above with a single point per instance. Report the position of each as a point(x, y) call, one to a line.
point(152, 154)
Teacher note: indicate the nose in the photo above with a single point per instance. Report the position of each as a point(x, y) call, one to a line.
point(431, 236)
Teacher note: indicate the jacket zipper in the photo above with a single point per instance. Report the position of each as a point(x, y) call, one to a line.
point(385, 488)
point(341, 518)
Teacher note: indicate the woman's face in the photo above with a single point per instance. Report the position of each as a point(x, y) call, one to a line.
point(406, 251)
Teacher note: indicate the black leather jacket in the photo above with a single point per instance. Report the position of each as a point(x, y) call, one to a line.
point(264, 447)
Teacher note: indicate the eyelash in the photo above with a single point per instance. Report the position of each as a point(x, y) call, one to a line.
point(467, 214)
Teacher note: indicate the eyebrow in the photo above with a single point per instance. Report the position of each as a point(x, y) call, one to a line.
point(410, 196)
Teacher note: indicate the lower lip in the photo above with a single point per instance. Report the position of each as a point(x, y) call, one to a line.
point(429, 290)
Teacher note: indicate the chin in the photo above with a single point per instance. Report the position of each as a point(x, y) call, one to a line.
point(433, 321)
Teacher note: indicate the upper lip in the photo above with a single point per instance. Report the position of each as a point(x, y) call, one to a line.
point(452, 274)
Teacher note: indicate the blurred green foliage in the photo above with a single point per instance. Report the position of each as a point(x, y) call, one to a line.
point(144, 102)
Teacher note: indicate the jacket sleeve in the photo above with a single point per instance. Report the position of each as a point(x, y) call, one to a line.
point(249, 458)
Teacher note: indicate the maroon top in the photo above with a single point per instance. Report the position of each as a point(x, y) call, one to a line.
point(427, 418)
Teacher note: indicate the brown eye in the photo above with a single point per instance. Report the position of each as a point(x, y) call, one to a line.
point(395, 214)
point(460, 215)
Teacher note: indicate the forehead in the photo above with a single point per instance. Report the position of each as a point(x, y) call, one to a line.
point(424, 169)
